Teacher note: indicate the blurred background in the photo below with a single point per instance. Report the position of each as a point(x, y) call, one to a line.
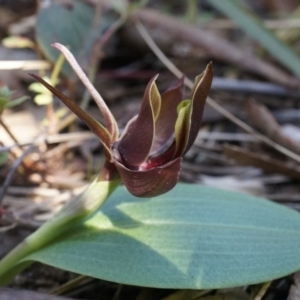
point(249, 140)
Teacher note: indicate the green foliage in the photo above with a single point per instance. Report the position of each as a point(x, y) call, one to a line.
point(18, 42)
point(16, 102)
point(71, 26)
point(254, 27)
point(3, 158)
point(194, 237)
point(43, 96)
point(5, 94)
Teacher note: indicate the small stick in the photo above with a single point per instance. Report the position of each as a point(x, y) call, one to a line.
point(15, 140)
point(109, 118)
point(262, 290)
point(12, 171)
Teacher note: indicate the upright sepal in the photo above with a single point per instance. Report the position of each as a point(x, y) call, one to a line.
point(112, 126)
point(165, 123)
point(95, 126)
point(136, 143)
point(199, 94)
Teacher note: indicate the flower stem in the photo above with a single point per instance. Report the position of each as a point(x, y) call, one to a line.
point(73, 212)
point(109, 118)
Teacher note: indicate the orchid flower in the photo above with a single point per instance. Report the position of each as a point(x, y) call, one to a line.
point(149, 152)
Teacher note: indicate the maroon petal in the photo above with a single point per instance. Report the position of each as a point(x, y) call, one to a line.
point(96, 127)
point(199, 95)
point(153, 182)
point(136, 143)
point(161, 159)
point(165, 123)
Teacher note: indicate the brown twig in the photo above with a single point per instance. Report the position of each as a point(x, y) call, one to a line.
point(10, 134)
point(262, 161)
point(12, 171)
point(162, 57)
point(260, 116)
point(16, 141)
point(216, 47)
point(262, 291)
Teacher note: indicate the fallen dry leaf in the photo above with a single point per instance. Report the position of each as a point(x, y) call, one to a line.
point(246, 157)
point(260, 116)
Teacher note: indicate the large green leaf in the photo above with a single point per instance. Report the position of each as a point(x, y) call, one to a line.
point(192, 237)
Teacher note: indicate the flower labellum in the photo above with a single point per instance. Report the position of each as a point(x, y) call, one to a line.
point(149, 152)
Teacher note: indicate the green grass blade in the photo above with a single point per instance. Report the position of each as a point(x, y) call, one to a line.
point(254, 27)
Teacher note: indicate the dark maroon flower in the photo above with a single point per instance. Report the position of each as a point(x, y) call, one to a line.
point(148, 154)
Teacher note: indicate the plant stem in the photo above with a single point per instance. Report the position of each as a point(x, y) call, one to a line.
point(74, 211)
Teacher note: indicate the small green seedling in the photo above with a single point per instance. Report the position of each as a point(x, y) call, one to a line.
point(5, 102)
point(43, 97)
